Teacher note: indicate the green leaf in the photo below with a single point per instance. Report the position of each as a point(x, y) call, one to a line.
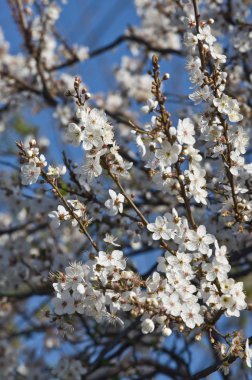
point(23, 128)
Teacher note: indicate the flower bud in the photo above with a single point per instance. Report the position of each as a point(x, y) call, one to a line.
point(181, 177)
point(173, 131)
point(181, 328)
point(198, 337)
point(33, 142)
point(166, 331)
point(155, 302)
point(166, 76)
point(147, 326)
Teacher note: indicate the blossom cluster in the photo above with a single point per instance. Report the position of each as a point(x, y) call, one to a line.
point(33, 163)
point(78, 210)
point(31, 169)
point(163, 157)
point(23, 69)
point(189, 285)
point(234, 348)
point(218, 125)
point(96, 135)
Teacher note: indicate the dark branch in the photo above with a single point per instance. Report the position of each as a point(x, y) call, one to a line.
point(93, 53)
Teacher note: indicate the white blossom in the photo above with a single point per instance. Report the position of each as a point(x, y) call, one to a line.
point(168, 154)
point(191, 315)
point(74, 134)
point(199, 240)
point(63, 303)
point(185, 132)
point(115, 204)
point(58, 216)
point(202, 94)
point(30, 173)
point(161, 229)
point(150, 106)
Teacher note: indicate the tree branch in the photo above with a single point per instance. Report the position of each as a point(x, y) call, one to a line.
point(123, 38)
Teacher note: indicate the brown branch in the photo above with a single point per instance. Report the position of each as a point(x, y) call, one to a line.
point(14, 229)
point(215, 367)
point(163, 244)
point(131, 38)
point(200, 43)
point(166, 124)
point(70, 210)
point(34, 291)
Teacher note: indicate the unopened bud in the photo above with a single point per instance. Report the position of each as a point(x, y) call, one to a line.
point(125, 274)
point(166, 76)
point(155, 59)
point(33, 142)
point(77, 82)
point(181, 177)
point(155, 302)
point(28, 11)
point(173, 131)
point(198, 337)
point(181, 328)
point(91, 256)
point(167, 331)
point(133, 313)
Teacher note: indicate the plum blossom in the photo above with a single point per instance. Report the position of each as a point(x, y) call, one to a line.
point(228, 106)
point(205, 34)
point(185, 132)
point(115, 204)
point(190, 40)
point(58, 216)
point(191, 315)
point(92, 137)
point(199, 240)
point(30, 173)
point(74, 134)
point(161, 229)
point(168, 154)
point(63, 303)
point(150, 106)
point(110, 239)
point(202, 94)
point(216, 270)
point(56, 171)
point(90, 170)
point(31, 169)
point(115, 258)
